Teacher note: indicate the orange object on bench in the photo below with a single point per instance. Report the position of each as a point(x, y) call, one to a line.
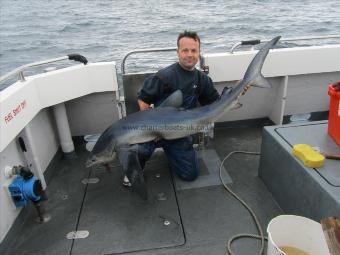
point(334, 112)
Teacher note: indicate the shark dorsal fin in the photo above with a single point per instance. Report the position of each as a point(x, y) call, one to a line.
point(174, 100)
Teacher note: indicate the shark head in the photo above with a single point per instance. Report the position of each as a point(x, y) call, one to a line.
point(99, 159)
point(103, 152)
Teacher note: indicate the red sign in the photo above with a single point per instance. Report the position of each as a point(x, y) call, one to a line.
point(12, 114)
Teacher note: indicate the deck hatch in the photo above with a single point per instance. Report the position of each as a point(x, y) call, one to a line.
point(119, 221)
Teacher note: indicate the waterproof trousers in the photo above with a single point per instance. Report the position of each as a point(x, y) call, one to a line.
point(179, 152)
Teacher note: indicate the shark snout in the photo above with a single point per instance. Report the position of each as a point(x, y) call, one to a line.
point(100, 159)
point(91, 161)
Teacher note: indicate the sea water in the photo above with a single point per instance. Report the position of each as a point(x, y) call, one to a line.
point(105, 30)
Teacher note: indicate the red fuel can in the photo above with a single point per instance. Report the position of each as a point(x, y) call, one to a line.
point(334, 112)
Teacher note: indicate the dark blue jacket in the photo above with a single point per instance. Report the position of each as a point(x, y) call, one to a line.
point(195, 86)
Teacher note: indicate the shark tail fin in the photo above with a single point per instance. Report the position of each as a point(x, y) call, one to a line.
point(261, 82)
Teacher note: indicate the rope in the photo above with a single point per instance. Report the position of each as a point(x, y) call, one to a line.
point(252, 213)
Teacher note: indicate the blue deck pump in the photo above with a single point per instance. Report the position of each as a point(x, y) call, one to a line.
point(26, 187)
point(23, 189)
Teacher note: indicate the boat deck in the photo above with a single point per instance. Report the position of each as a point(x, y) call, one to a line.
point(179, 218)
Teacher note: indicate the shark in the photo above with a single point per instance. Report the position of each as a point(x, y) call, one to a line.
point(170, 121)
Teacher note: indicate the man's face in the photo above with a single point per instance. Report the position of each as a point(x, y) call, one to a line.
point(188, 52)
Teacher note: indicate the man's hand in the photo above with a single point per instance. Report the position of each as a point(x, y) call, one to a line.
point(142, 105)
point(245, 89)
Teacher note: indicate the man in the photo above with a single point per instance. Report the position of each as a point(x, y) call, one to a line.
point(196, 88)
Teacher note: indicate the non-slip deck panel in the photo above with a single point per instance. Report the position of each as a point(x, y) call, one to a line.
point(211, 215)
point(119, 221)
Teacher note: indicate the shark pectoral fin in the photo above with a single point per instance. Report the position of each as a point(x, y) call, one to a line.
point(261, 82)
point(128, 157)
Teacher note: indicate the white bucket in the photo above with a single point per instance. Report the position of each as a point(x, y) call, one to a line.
point(298, 232)
point(91, 141)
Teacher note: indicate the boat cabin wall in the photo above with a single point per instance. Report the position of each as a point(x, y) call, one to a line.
point(8, 213)
point(89, 94)
point(23, 100)
point(296, 94)
point(300, 77)
point(92, 114)
point(89, 114)
point(41, 143)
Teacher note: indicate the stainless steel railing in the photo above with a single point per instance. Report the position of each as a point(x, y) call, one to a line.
point(143, 51)
point(20, 70)
point(257, 41)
